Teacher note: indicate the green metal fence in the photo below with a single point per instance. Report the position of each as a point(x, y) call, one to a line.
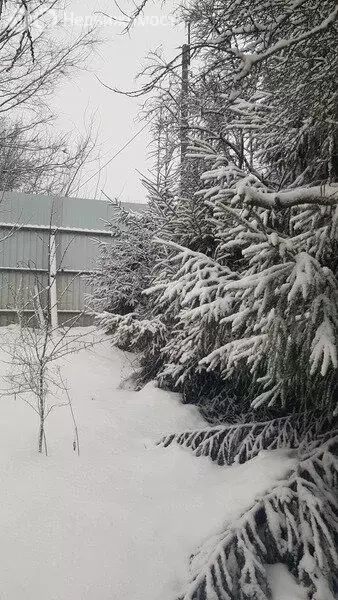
point(50, 245)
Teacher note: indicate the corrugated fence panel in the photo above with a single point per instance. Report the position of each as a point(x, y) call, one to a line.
point(18, 289)
point(85, 214)
point(71, 291)
point(24, 248)
point(77, 251)
point(26, 209)
point(38, 209)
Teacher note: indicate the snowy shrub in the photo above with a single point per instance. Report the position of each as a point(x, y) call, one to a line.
point(125, 267)
point(131, 333)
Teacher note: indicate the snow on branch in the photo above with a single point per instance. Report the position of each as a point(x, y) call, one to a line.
point(250, 59)
point(324, 348)
point(130, 332)
point(295, 523)
point(325, 195)
point(238, 443)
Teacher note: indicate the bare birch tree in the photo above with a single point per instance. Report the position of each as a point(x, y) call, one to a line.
point(35, 56)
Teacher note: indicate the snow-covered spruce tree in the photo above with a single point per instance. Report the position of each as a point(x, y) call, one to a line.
point(127, 265)
point(271, 261)
point(263, 298)
point(122, 274)
point(273, 312)
point(267, 299)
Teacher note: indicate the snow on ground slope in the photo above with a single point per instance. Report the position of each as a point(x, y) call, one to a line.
point(120, 521)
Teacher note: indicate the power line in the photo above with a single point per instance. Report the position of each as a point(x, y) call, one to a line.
point(112, 158)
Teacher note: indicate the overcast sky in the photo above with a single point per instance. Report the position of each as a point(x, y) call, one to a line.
point(116, 62)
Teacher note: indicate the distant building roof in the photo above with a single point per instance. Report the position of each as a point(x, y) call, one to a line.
point(43, 210)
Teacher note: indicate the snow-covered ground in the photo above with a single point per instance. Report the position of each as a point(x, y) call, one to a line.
point(120, 521)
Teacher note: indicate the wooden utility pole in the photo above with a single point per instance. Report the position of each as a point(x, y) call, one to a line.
point(159, 133)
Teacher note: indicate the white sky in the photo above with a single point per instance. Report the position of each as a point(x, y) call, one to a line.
point(116, 62)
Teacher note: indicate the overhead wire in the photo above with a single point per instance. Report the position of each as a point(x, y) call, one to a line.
point(112, 158)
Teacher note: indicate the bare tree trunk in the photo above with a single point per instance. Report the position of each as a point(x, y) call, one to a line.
point(41, 434)
point(41, 408)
